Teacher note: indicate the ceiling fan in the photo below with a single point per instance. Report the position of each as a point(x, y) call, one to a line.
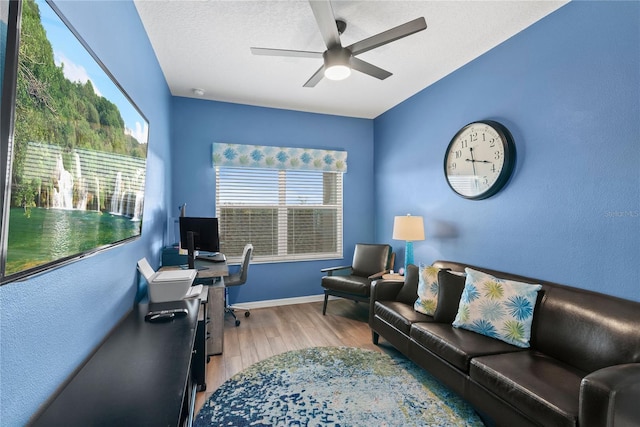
point(339, 60)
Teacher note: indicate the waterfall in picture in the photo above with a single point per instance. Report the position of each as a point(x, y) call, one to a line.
point(116, 197)
point(97, 196)
point(137, 212)
point(63, 194)
point(81, 185)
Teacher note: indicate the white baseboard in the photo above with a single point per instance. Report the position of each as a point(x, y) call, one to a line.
point(283, 301)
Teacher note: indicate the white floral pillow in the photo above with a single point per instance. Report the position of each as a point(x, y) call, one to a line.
point(427, 301)
point(501, 309)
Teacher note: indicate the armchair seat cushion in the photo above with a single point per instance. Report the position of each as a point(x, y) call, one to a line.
point(399, 315)
point(544, 388)
point(457, 346)
point(355, 285)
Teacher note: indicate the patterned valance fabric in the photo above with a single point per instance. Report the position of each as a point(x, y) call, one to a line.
point(259, 156)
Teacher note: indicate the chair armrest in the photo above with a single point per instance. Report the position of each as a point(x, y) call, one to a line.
point(610, 396)
point(378, 275)
point(330, 270)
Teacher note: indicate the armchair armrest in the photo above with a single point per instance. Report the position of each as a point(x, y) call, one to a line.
point(609, 397)
point(330, 270)
point(378, 275)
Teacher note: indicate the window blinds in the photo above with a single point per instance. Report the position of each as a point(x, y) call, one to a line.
point(286, 214)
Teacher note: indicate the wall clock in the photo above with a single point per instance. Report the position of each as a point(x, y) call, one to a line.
point(480, 159)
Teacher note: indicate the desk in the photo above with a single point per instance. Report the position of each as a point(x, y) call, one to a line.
point(210, 270)
point(139, 376)
point(212, 276)
point(171, 257)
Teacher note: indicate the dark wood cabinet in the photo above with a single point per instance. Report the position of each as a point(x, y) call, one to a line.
point(141, 375)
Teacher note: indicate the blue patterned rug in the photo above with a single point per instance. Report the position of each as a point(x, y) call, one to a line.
point(335, 386)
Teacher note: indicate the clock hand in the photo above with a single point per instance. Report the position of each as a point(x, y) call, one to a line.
point(473, 163)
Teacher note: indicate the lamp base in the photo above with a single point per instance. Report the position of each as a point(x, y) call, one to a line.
point(408, 255)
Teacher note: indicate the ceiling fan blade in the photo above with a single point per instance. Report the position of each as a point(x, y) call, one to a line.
point(370, 69)
point(388, 36)
point(315, 79)
point(285, 52)
point(323, 12)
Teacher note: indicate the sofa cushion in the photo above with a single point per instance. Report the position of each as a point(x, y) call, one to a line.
point(409, 290)
point(585, 329)
point(543, 388)
point(399, 315)
point(427, 290)
point(498, 308)
point(456, 346)
point(450, 287)
point(355, 285)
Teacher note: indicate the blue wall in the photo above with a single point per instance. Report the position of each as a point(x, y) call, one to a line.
point(49, 324)
point(568, 88)
point(196, 124)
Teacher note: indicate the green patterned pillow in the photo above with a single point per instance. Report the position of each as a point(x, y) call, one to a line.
point(427, 290)
point(497, 308)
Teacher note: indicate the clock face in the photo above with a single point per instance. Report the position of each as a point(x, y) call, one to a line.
point(479, 160)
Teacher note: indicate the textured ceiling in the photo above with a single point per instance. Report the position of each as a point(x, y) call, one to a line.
point(205, 45)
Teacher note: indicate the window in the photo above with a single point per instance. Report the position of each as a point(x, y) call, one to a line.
point(286, 214)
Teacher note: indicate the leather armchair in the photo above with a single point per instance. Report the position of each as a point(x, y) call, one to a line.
point(370, 262)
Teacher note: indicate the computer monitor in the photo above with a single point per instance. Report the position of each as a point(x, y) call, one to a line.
point(199, 234)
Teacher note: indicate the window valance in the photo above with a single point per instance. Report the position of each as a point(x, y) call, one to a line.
point(268, 157)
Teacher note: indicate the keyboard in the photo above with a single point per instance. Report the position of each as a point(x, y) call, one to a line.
point(194, 291)
point(213, 258)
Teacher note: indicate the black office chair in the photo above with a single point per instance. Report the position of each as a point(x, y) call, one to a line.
point(236, 279)
point(370, 262)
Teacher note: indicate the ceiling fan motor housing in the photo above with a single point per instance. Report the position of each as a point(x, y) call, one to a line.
point(337, 56)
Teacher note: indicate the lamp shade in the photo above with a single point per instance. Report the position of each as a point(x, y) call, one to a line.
point(409, 228)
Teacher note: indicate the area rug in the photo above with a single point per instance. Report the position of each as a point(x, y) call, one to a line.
point(335, 386)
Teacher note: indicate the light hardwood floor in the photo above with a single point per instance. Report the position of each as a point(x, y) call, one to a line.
point(275, 330)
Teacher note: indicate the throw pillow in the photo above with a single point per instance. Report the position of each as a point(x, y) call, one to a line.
point(409, 290)
point(450, 287)
point(427, 290)
point(501, 309)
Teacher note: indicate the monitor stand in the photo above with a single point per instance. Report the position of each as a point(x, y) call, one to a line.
point(190, 250)
point(191, 257)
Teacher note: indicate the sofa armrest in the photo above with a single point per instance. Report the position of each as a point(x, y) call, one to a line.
point(382, 290)
point(609, 397)
point(330, 270)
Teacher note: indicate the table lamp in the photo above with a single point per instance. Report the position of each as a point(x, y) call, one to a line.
point(408, 228)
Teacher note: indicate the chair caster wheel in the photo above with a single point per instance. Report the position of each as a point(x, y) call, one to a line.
point(237, 323)
point(247, 313)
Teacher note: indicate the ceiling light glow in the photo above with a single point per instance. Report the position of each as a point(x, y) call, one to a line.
point(337, 72)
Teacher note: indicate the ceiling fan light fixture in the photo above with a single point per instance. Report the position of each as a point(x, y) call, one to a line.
point(337, 63)
point(337, 72)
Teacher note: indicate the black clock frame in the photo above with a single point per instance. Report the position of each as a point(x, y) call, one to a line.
point(509, 159)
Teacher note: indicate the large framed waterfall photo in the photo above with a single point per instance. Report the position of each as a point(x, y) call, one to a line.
point(75, 149)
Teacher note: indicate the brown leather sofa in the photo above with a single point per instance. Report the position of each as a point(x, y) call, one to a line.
point(582, 369)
